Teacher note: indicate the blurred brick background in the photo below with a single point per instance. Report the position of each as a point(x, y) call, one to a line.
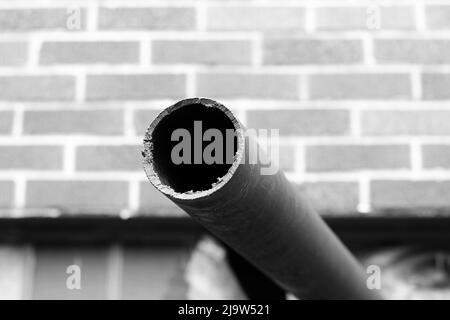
point(363, 111)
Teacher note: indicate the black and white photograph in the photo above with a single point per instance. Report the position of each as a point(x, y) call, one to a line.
point(244, 152)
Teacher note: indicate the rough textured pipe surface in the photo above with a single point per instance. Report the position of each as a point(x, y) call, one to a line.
point(262, 217)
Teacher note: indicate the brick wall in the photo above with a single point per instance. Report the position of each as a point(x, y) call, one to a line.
point(363, 113)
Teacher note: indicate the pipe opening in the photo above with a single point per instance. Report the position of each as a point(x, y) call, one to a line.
point(190, 177)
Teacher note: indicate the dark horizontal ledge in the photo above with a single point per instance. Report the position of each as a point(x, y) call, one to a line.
point(355, 231)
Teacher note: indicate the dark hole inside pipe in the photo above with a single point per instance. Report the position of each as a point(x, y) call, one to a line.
point(190, 177)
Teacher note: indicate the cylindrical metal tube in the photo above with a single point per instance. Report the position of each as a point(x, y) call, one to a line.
point(262, 217)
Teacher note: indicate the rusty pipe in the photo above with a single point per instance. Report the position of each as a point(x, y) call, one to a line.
point(262, 217)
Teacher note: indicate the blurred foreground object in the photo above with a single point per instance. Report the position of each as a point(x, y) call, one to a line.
point(209, 275)
point(410, 273)
point(262, 217)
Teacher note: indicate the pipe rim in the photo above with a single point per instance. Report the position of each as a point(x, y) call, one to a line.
point(150, 170)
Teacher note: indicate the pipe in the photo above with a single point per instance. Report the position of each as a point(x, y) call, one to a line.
point(263, 217)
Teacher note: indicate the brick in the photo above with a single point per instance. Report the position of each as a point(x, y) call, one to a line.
point(258, 86)
point(80, 197)
point(13, 53)
point(356, 157)
point(31, 157)
point(86, 122)
point(311, 51)
point(437, 17)
point(359, 18)
point(256, 18)
point(37, 88)
point(405, 122)
point(360, 86)
point(6, 194)
point(153, 202)
point(157, 18)
point(6, 122)
point(109, 158)
point(436, 156)
point(50, 273)
point(231, 52)
point(285, 153)
point(412, 51)
point(12, 272)
point(435, 86)
point(330, 198)
point(154, 273)
point(287, 158)
point(136, 87)
point(301, 122)
point(39, 19)
point(410, 194)
point(142, 120)
point(108, 52)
